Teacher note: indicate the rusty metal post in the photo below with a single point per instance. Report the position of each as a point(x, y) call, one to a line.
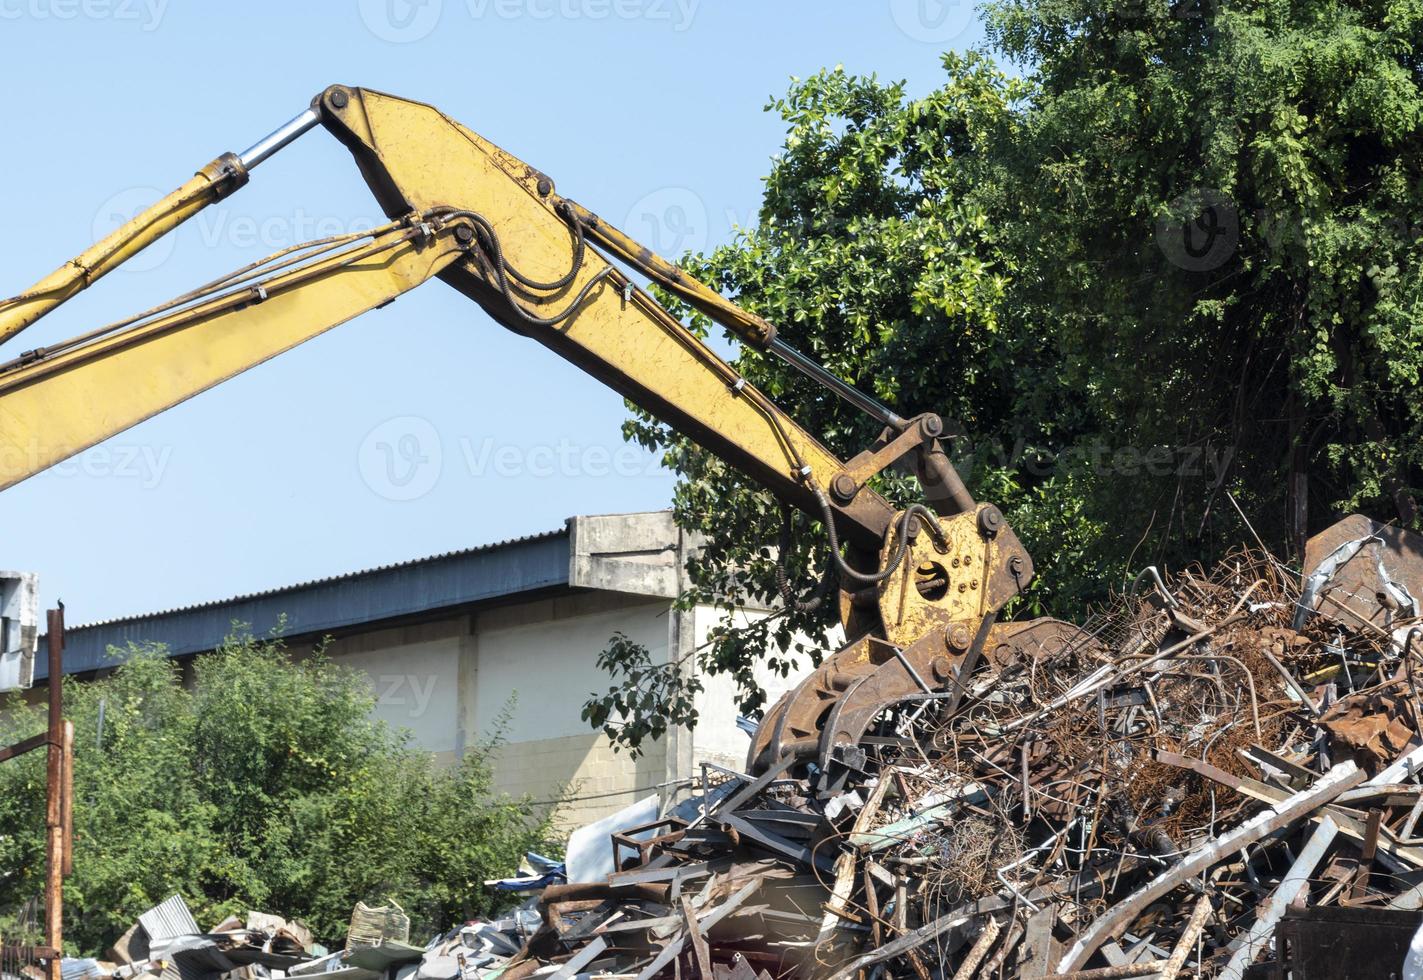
point(55, 802)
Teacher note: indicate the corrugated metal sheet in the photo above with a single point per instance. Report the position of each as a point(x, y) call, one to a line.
point(168, 920)
point(390, 592)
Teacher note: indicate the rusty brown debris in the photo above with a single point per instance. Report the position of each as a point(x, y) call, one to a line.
point(1152, 793)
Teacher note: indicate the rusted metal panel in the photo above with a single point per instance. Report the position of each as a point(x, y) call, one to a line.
point(1327, 943)
point(19, 629)
point(1356, 591)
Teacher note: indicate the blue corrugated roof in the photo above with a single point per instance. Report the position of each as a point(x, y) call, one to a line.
point(391, 592)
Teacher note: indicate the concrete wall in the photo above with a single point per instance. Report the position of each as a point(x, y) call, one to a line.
point(449, 682)
point(521, 672)
point(717, 738)
point(447, 679)
point(414, 674)
point(545, 656)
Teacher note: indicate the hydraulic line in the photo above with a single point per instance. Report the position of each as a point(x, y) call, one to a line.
point(919, 512)
point(317, 258)
point(783, 584)
point(503, 269)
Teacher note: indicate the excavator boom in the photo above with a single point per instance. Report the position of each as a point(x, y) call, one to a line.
point(919, 588)
point(425, 169)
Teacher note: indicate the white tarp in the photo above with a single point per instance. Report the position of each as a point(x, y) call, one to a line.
point(590, 853)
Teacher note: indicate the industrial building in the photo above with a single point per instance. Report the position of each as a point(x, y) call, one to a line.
point(451, 640)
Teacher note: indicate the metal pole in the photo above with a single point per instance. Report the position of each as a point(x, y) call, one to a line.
point(54, 799)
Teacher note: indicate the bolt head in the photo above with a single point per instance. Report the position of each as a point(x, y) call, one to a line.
point(958, 638)
point(844, 487)
point(339, 98)
point(545, 187)
point(990, 520)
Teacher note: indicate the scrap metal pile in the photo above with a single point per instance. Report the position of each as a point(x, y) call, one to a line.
point(1216, 777)
point(167, 944)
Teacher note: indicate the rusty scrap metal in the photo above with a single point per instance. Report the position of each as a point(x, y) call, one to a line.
point(1185, 784)
point(1148, 793)
point(58, 823)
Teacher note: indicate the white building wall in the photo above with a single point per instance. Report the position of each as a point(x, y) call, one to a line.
point(547, 654)
point(449, 681)
point(717, 738)
point(414, 675)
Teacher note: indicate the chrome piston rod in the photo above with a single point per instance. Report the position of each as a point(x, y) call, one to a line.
point(281, 137)
point(815, 372)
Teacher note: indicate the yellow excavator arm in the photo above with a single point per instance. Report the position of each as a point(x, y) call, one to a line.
point(919, 588)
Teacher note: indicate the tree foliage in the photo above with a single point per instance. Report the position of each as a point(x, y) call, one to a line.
point(261, 784)
point(1223, 228)
point(1172, 255)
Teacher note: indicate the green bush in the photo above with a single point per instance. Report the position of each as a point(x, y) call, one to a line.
point(262, 784)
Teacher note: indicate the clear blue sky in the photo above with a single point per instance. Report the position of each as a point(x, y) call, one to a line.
point(423, 427)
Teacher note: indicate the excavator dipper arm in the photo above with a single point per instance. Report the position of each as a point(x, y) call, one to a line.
point(463, 210)
point(919, 588)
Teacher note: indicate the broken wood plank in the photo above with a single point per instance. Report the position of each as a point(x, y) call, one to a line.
point(1146, 969)
point(872, 904)
point(979, 951)
point(700, 952)
point(845, 864)
point(1194, 925)
point(994, 966)
point(673, 949)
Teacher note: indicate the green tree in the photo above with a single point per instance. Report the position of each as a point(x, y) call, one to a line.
point(874, 253)
point(1223, 200)
point(261, 784)
point(1174, 256)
